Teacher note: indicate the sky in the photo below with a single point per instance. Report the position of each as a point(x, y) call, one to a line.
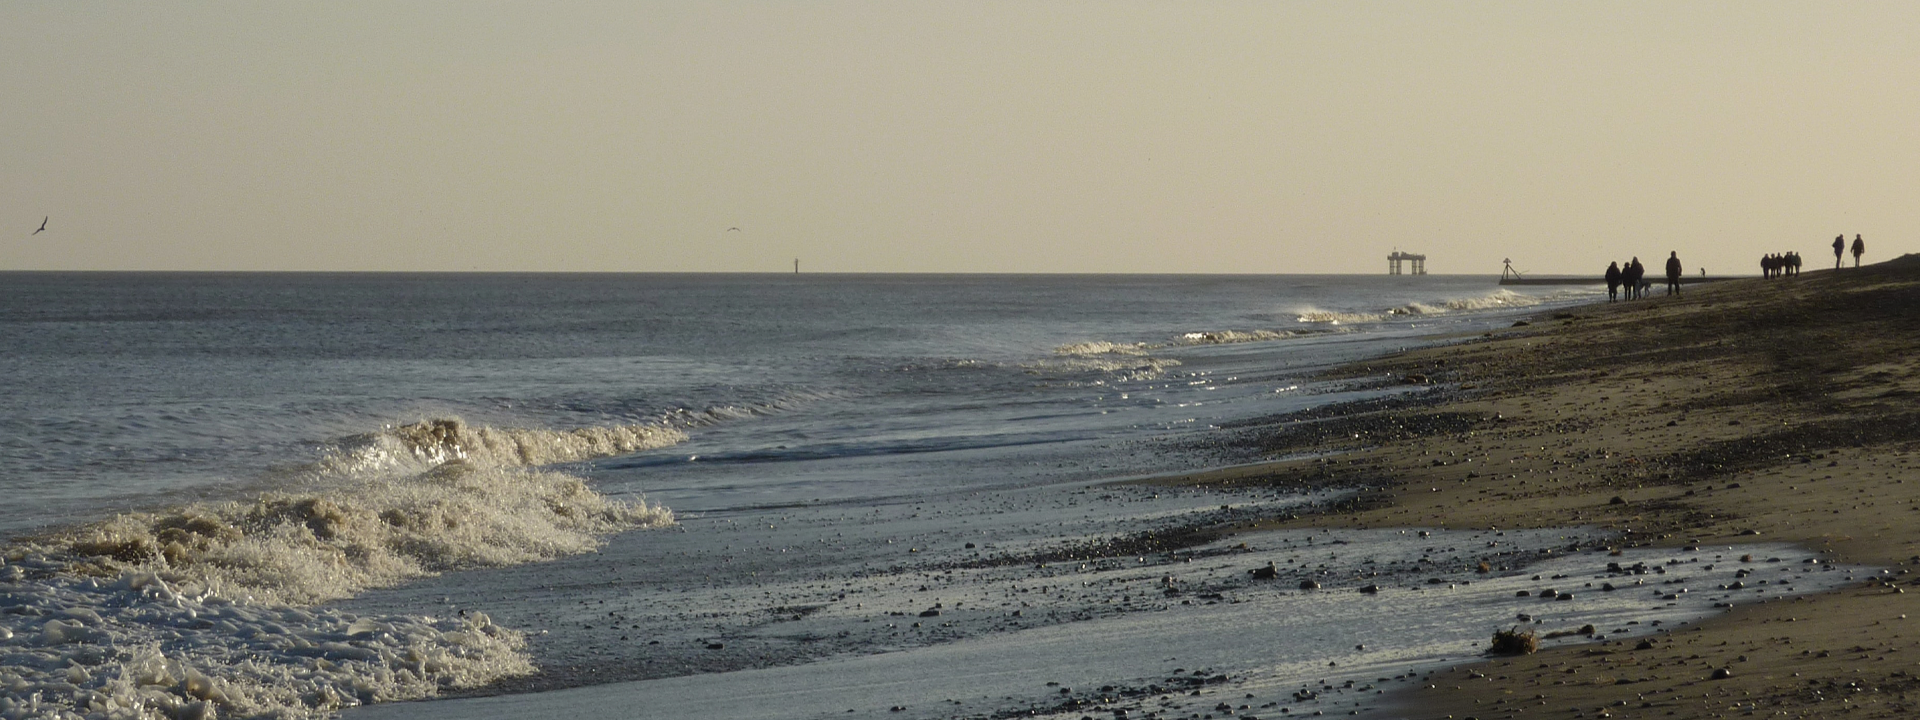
point(1005, 137)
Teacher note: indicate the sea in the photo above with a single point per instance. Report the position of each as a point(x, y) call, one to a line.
point(303, 495)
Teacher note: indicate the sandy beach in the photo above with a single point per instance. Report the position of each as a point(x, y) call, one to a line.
point(1742, 411)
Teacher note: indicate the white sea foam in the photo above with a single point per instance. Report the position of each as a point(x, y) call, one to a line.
point(1119, 366)
point(1497, 300)
point(430, 443)
point(1338, 318)
point(1228, 337)
point(1123, 361)
point(1092, 348)
point(135, 647)
point(311, 547)
point(222, 585)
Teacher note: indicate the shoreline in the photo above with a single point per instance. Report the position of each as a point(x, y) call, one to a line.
point(1752, 410)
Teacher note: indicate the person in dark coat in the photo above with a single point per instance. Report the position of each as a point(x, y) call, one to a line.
point(1793, 263)
point(1635, 274)
point(1859, 248)
point(1613, 281)
point(1839, 247)
point(1766, 266)
point(1673, 273)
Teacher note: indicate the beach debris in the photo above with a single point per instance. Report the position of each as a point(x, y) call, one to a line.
point(1265, 573)
point(1514, 641)
point(1585, 630)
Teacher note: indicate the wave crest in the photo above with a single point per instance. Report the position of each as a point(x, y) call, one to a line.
point(1338, 318)
point(1092, 348)
point(429, 443)
point(1228, 337)
point(309, 548)
point(1121, 367)
point(1497, 300)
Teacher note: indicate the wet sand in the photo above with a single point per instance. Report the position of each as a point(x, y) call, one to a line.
point(1743, 411)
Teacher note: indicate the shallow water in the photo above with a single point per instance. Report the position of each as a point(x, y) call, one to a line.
point(885, 611)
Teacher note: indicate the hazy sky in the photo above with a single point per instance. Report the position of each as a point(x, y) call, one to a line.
point(953, 136)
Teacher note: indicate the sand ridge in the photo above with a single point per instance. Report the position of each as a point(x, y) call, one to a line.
point(1777, 410)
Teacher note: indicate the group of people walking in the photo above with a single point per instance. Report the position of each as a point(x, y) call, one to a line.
point(1633, 276)
point(1787, 264)
point(1780, 264)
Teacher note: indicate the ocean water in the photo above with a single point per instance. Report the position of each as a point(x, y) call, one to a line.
point(129, 391)
point(294, 494)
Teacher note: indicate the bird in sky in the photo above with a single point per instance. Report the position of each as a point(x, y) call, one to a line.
point(43, 226)
point(733, 229)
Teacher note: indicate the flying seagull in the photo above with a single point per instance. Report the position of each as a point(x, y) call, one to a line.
point(733, 229)
point(43, 226)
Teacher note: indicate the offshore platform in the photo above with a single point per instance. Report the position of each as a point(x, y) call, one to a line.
point(1397, 259)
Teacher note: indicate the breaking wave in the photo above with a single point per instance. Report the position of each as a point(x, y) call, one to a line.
point(223, 587)
point(1101, 347)
point(1228, 337)
point(424, 445)
point(1498, 300)
point(1121, 367)
point(1338, 318)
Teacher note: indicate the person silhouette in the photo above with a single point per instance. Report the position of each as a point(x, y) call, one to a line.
point(1673, 273)
point(1839, 248)
point(1613, 281)
point(1859, 248)
point(1793, 263)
